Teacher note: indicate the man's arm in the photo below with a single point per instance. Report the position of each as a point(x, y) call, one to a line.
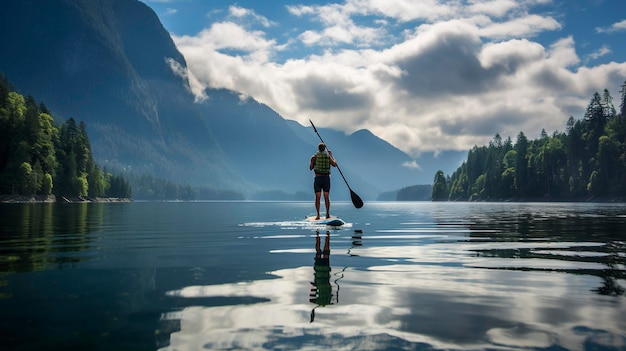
point(332, 159)
point(312, 163)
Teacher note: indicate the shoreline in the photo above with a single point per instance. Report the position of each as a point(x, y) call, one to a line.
point(23, 199)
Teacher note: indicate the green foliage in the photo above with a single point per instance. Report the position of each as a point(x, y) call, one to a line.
point(440, 187)
point(26, 179)
point(117, 186)
point(37, 157)
point(588, 161)
point(46, 187)
point(150, 188)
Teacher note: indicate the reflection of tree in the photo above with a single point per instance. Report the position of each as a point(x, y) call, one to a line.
point(540, 229)
point(36, 236)
point(610, 276)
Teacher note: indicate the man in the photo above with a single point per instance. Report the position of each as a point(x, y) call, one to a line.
point(320, 163)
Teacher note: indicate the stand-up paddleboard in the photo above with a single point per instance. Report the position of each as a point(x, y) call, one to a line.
point(332, 221)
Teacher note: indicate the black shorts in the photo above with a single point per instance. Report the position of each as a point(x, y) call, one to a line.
point(322, 183)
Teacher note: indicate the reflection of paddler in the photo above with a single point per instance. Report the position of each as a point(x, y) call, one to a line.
point(321, 292)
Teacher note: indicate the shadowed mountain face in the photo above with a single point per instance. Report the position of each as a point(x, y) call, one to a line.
point(106, 62)
point(109, 63)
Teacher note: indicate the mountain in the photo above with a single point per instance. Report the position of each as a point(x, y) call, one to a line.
point(111, 64)
point(106, 63)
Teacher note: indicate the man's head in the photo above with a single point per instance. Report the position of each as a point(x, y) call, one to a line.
point(321, 147)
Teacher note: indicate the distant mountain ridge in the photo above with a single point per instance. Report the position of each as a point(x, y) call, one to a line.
point(109, 63)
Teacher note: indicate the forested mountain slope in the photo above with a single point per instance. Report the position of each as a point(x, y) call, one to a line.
point(586, 162)
point(39, 158)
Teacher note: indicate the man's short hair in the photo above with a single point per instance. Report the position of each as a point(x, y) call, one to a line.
point(321, 147)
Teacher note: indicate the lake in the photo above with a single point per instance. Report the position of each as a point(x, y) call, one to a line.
point(248, 276)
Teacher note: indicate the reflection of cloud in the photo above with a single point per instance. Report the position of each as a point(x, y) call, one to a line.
point(416, 300)
point(285, 317)
point(524, 337)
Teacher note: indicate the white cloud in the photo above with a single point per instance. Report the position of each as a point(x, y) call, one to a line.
point(197, 88)
point(243, 13)
point(454, 79)
point(408, 10)
point(170, 12)
point(527, 26)
point(412, 165)
point(615, 27)
point(300, 10)
point(497, 8)
point(604, 50)
point(229, 36)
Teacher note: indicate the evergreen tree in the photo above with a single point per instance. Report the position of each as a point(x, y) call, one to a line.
point(508, 183)
point(34, 153)
point(595, 120)
point(460, 184)
point(607, 105)
point(588, 160)
point(576, 151)
point(622, 106)
point(440, 188)
point(521, 165)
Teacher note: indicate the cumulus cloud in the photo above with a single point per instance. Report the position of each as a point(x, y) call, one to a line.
point(426, 76)
point(527, 26)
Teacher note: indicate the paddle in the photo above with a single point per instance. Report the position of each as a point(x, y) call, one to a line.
point(356, 200)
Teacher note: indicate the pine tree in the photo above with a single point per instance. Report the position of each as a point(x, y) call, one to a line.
point(521, 165)
point(440, 188)
point(622, 106)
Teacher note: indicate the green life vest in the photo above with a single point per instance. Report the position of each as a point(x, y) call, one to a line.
point(322, 163)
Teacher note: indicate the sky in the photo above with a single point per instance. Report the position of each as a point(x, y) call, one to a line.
point(424, 75)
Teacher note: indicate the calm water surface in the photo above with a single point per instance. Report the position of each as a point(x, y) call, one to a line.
point(248, 276)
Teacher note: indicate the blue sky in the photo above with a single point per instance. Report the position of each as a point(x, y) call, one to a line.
point(425, 75)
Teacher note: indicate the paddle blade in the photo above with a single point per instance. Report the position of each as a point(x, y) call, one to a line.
point(356, 200)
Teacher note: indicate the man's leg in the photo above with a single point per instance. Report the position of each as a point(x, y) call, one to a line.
point(327, 203)
point(318, 196)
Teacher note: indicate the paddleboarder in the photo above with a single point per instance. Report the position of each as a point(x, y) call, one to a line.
point(320, 164)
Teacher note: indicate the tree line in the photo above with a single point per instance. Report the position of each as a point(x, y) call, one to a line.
point(146, 187)
point(38, 157)
point(586, 162)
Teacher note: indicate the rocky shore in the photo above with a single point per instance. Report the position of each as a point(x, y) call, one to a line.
point(52, 198)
